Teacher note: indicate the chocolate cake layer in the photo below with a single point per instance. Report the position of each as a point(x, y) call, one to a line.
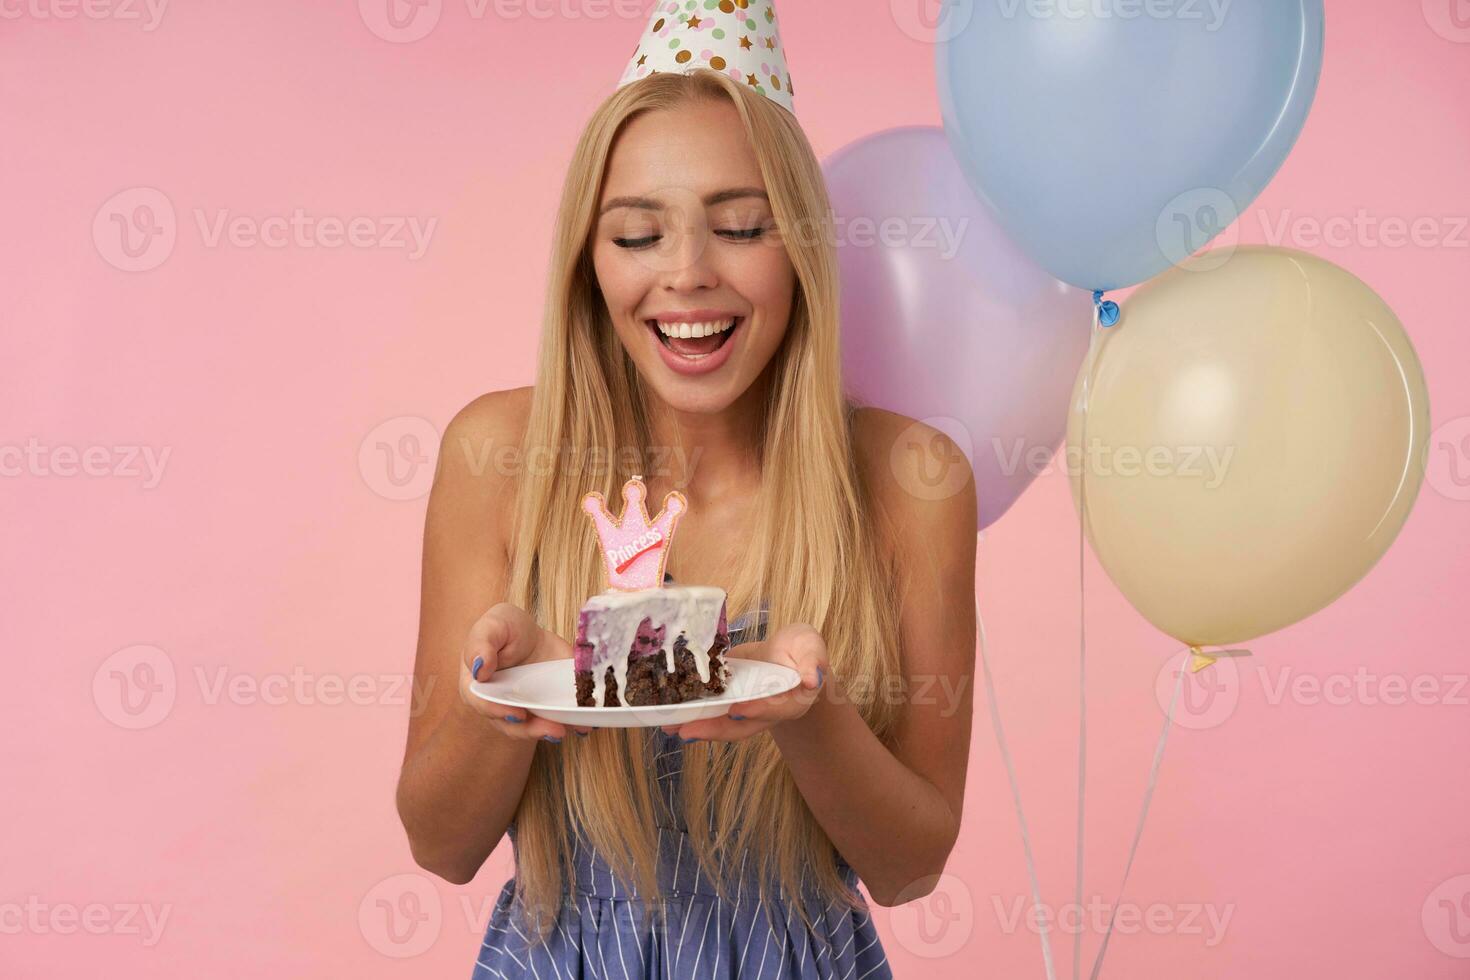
point(623, 656)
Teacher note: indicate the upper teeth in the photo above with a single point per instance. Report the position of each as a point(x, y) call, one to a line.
point(696, 329)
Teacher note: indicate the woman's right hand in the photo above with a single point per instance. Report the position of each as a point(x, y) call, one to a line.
point(506, 636)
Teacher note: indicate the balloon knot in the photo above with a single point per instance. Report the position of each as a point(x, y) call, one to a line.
point(1107, 310)
point(1199, 660)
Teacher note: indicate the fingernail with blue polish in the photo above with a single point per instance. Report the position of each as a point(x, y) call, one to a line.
point(475, 667)
point(737, 717)
point(551, 738)
point(512, 719)
point(686, 741)
point(819, 677)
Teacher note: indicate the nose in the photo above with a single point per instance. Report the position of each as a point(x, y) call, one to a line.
point(691, 263)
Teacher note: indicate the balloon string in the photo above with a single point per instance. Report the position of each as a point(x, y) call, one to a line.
point(1097, 317)
point(1105, 314)
point(1148, 795)
point(1005, 754)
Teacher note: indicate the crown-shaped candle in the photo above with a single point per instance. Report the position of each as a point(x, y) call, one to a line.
point(634, 549)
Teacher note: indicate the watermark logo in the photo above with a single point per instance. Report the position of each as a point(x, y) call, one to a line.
point(1446, 917)
point(928, 465)
point(311, 689)
point(1364, 229)
point(147, 13)
point(1363, 687)
point(1448, 466)
point(126, 462)
point(1207, 698)
point(932, 21)
point(1209, 14)
point(934, 917)
point(1208, 217)
point(1208, 465)
point(401, 916)
point(37, 917)
point(672, 235)
point(135, 688)
point(1194, 219)
point(300, 229)
point(912, 233)
point(400, 21)
point(1450, 19)
point(590, 462)
point(569, 9)
point(406, 21)
point(135, 230)
point(670, 229)
point(1203, 919)
point(397, 458)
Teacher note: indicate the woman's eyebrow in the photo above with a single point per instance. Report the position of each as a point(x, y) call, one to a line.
point(711, 199)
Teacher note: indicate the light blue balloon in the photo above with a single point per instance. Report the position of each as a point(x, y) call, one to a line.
point(1114, 138)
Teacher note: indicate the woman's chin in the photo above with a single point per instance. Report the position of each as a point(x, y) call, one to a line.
point(706, 395)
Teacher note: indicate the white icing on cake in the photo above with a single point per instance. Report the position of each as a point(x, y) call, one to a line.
point(612, 626)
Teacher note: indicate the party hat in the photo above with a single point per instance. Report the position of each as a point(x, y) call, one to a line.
point(738, 37)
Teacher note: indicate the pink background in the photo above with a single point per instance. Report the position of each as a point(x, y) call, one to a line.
point(273, 555)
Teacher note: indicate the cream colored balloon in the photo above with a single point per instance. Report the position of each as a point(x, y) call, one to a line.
point(1257, 434)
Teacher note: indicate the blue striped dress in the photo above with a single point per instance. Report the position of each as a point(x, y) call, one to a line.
point(610, 936)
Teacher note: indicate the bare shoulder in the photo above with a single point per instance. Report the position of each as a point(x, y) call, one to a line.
point(477, 455)
point(501, 415)
point(922, 489)
point(916, 474)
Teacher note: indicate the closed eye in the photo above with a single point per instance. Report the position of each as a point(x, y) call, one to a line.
point(733, 234)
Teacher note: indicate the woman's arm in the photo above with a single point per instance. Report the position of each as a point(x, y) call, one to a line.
point(463, 772)
point(893, 815)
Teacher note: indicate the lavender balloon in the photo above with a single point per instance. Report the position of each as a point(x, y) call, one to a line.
point(944, 319)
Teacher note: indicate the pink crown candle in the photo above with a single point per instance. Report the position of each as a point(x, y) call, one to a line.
point(634, 549)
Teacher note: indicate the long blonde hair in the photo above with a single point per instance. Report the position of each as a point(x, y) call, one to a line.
point(813, 551)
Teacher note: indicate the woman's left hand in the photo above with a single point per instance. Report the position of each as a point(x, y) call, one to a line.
point(799, 647)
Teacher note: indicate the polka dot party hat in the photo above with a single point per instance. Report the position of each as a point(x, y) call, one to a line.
point(737, 37)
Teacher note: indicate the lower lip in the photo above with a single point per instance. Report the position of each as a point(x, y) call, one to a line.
point(693, 366)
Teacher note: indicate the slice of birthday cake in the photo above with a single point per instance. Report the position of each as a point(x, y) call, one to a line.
point(641, 643)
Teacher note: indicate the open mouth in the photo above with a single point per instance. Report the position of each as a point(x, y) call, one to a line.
point(695, 340)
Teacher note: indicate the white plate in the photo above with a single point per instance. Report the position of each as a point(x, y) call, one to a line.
point(548, 690)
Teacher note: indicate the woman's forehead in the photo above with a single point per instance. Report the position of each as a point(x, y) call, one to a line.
point(684, 151)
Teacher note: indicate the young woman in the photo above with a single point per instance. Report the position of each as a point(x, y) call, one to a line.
point(729, 847)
